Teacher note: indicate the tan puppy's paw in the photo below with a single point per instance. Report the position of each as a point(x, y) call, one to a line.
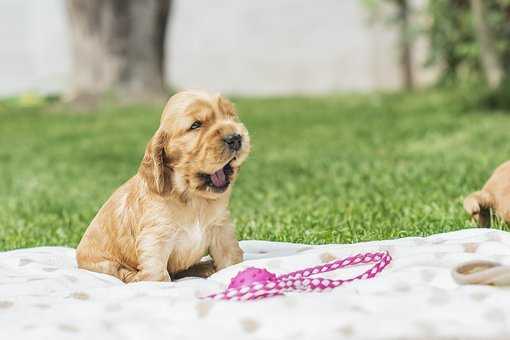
point(150, 276)
point(478, 205)
point(127, 275)
point(471, 205)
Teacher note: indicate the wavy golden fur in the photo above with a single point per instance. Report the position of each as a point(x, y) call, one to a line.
point(175, 209)
point(494, 196)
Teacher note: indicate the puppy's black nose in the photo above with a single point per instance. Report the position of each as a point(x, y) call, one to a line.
point(234, 141)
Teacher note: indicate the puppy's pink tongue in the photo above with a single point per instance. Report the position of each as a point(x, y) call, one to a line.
point(218, 178)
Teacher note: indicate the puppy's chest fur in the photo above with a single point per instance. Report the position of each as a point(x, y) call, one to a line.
point(190, 244)
point(192, 234)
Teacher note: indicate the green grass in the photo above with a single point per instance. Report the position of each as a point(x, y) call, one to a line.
point(328, 169)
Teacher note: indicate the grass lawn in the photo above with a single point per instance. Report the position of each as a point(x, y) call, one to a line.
point(328, 169)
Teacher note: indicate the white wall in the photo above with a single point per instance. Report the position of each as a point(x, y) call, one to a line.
point(33, 46)
point(232, 46)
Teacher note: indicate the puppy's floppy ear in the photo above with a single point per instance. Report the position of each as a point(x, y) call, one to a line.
point(155, 168)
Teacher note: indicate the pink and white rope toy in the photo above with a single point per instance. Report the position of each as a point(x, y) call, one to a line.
point(254, 283)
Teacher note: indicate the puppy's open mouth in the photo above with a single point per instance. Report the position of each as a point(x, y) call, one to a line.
point(219, 180)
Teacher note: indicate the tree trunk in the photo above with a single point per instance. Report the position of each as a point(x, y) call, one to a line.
point(406, 57)
point(489, 58)
point(118, 48)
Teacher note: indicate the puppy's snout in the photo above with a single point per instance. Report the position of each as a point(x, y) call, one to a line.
point(233, 141)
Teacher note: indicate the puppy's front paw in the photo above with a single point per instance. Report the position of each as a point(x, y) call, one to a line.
point(478, 205)
point(472, 206)
point(152, 276)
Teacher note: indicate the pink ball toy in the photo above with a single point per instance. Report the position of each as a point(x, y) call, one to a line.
point(250, 275)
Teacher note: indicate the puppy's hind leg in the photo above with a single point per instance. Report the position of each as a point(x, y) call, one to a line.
point(478, 205)
point(101, 265)
point(111, 268)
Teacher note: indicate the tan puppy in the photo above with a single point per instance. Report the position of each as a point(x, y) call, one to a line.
point(175, 209)
point(494, 195)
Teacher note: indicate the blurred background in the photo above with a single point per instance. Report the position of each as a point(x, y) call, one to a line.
point(249, 48)
point(241, 47)
point(370, 119)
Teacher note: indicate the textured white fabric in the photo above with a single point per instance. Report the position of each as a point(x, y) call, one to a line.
point(44, 296)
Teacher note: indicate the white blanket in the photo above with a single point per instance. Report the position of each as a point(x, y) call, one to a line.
point(44, 296)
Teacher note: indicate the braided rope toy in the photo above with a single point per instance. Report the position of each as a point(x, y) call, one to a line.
point(255, 283)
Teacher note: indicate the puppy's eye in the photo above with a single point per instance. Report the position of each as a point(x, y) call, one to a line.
point(196, 124)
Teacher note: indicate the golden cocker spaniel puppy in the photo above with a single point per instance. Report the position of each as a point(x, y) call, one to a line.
point(495, 196)
point(175, 209)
